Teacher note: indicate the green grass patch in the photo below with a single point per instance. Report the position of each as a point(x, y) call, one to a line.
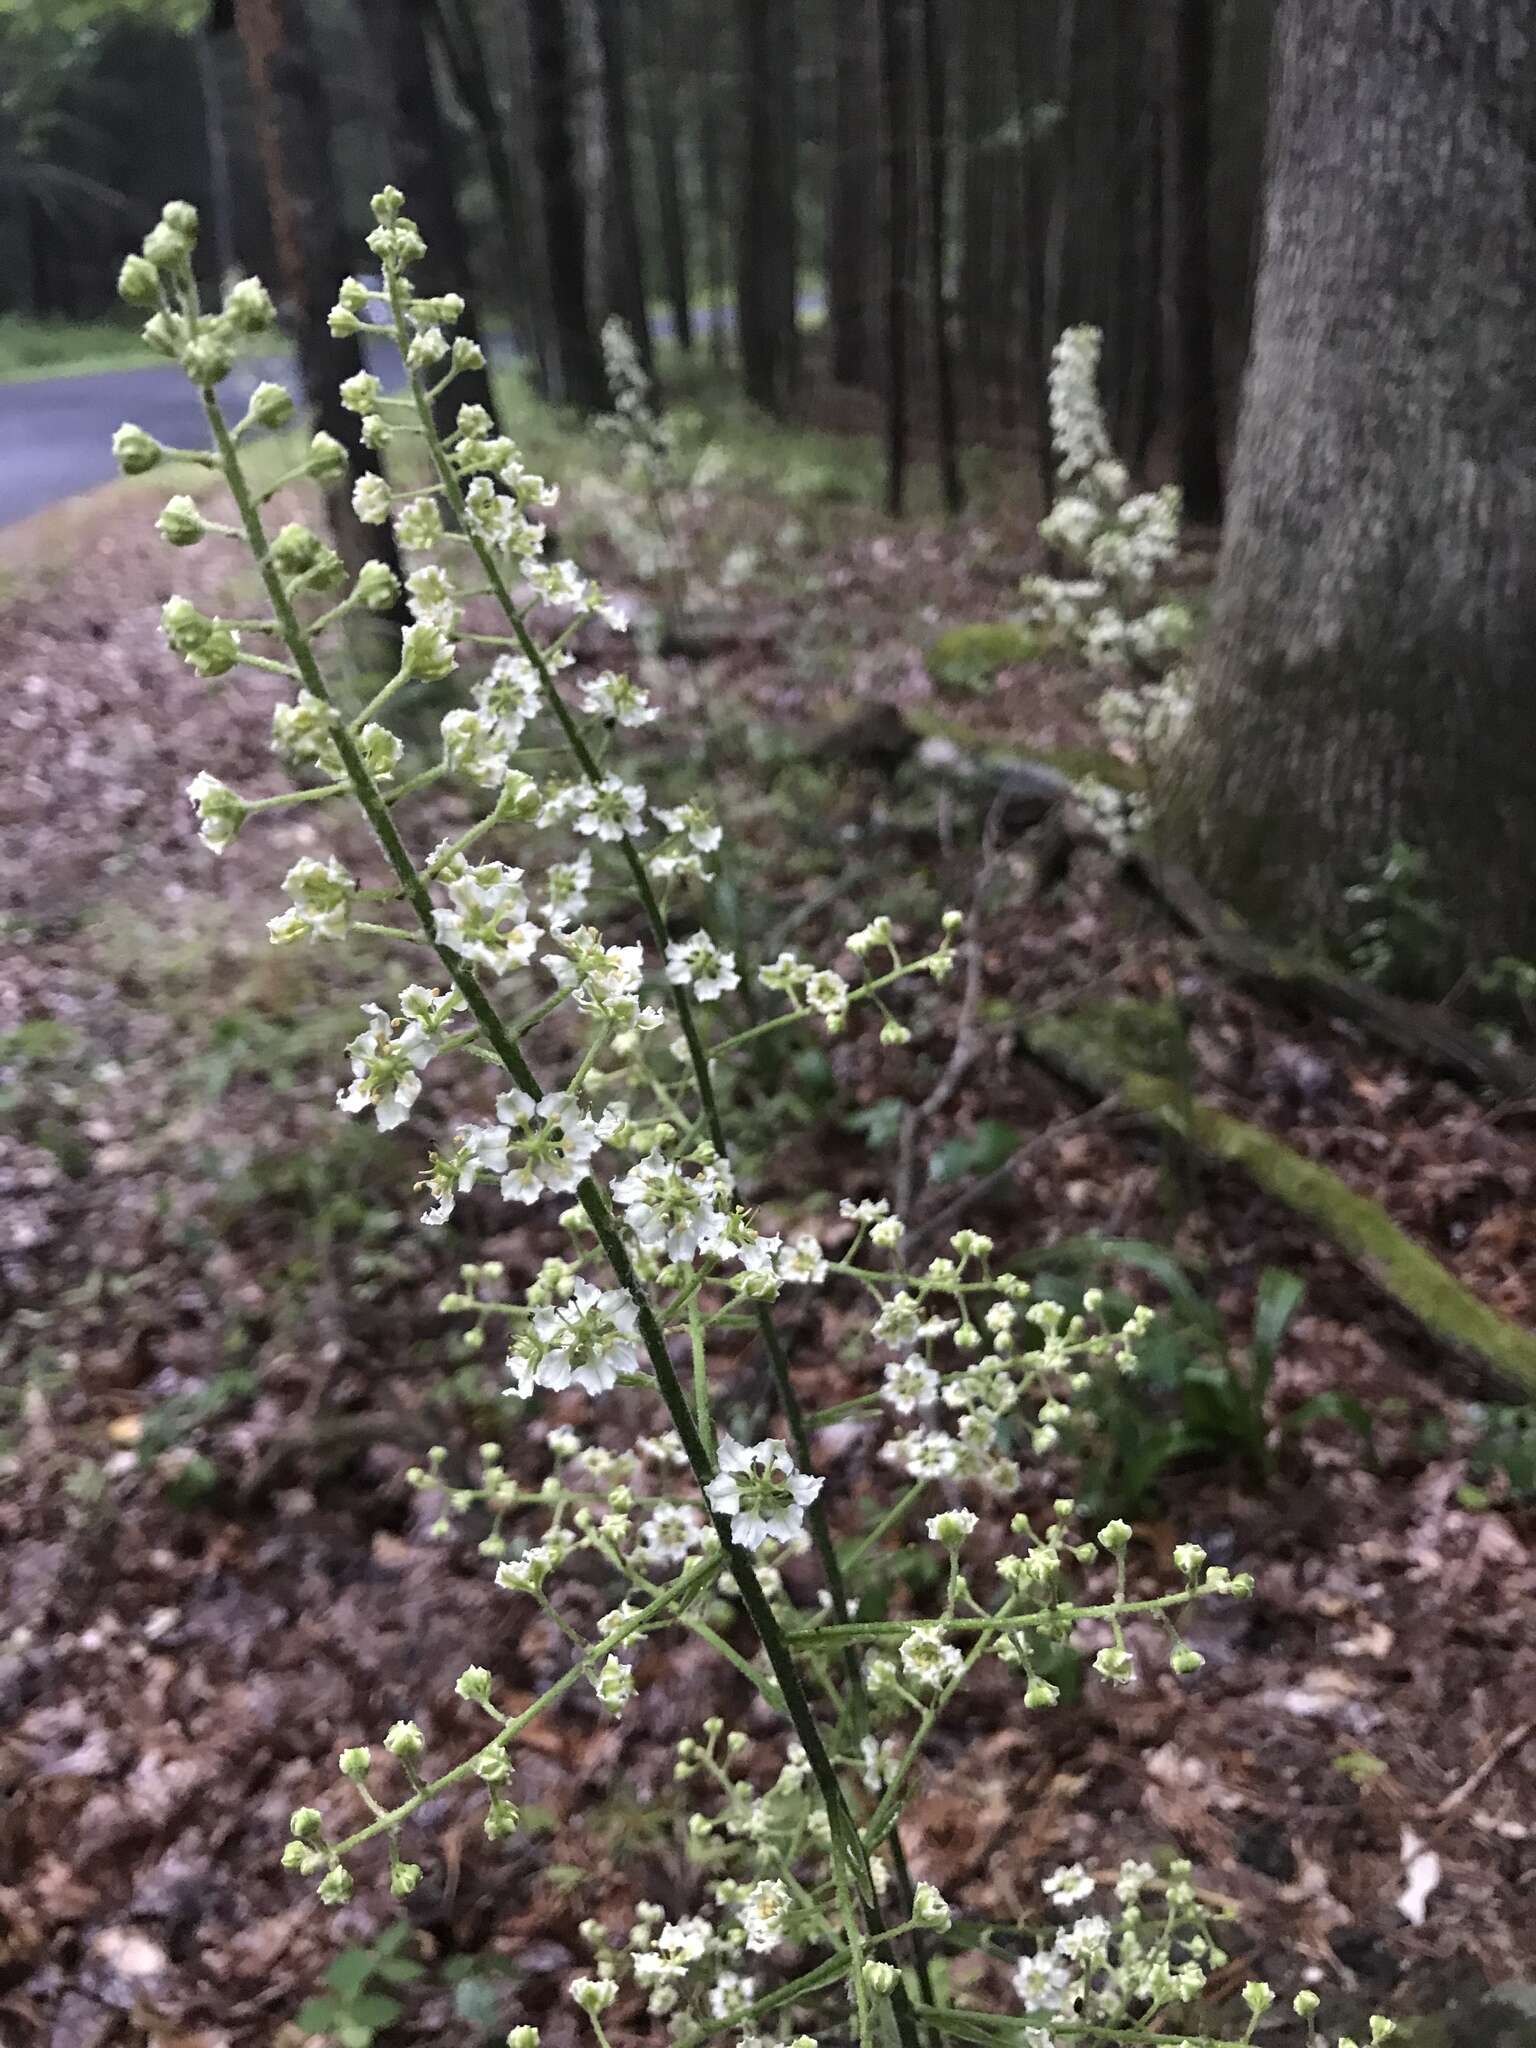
point(973, 657)
point(31, 348)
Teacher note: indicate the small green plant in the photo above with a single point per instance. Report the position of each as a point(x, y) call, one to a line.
point(1501, 1464)
point(355, 2008)
point(971, 658)
point(1401, 939)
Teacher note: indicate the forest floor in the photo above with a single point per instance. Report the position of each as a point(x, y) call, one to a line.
point(223, 1347)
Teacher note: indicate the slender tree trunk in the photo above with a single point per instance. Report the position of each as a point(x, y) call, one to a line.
point(938, 243)
point(421, 156)
point(1188, 57)
point(716, 225)
point(664, 80)
point(853, 201)
point(1368, 679)
point(786, 154)
point(895, 76)
point(293, 122)
point(220, 206)
point(623, 262)
point(578, 367)
point(464, 53)
point(757, 327)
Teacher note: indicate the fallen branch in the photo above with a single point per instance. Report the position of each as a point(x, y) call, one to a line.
point(1088, 1051)
point(1418, 1029)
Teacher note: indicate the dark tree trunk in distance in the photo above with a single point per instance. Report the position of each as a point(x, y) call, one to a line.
point(293, 120)
point(758, 251)
point(896, 94)
point(1369, 676)
point(853, 205)
point(420, 154)
point(664, 77)
point(622, 261)
point(938, 243)
point(577, 365)
point(1188, 62)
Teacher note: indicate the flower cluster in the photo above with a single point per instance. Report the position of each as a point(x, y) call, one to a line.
point(958, 1371)
point(1118, 543)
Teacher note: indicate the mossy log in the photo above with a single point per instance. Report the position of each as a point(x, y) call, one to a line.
point(1117, 1047)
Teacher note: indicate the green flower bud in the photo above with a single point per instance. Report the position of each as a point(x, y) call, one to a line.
point(327, 460)
point(294, 1856)
point(403, 1879)
point(880, 1978)
point(270, 406)
point(1257, 1997)
point(306, 1823)
point(248, 306)
point(208, 358)
point(929, 1908)
point(135, 451)
point(293, 549)
point(426, 652)
point(378, 587)
point(180, 216)
point(165, 248)
point(181, 523)
point(387, 203)
point(523, 2037)
point(1185, 1660)
point(335, 1888)
point(1304, 2004)
point(1041, 1693)
point(1115, 1536)
point(474, 1684)
point(355, 1764)
point(138, 282)
point(163, 334)
point(343, 323)
point(361, 393)
point(405, 1741)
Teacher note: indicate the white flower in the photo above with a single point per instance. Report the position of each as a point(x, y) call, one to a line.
point(322, 893)
point(927, 1659)
point(615, 1685)
point(610, 810)
point(764, 1914)
point(667, 1211)
point(802, 1262)
point(924, 1454)
point(370, 499)
point(220, 813)
point(615, 697)
point(672, 1532)
point(587, 1341)
point(758, 1487)
point(565, 891)
point(699, 962)
point(1069, 1884)
point(828, 994)
point(538, 1147)
point(1042, 1981)
point(385, 1060)
point(487, 920)
point(695, 822)
point(1084, 1938)
point(908, 1385)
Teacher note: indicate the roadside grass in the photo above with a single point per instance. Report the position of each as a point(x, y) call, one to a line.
point(31, 348)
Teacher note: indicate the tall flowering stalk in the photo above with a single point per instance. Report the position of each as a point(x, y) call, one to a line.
point(805, 1900)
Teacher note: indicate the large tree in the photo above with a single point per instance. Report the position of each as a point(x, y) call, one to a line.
point(1369, 678)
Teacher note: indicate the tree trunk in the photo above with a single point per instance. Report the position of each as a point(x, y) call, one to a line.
point(938, 242)
point(422, 166)
point(895, 84)
point(293, 123)
point(1188, 63)
point(664, 80)
point(1369, 675)
point(464, 52)
point(622, 261)
point(758, 254)
point(577, 365)
point(853, 201)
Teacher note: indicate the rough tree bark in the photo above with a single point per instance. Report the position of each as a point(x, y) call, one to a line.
point(1369, 676)
point(422, 166)
point(293, 124)
point(576, 366)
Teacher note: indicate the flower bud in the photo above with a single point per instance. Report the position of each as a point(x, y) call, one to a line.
point(1115, 1536)
point(523, 2037)
point(403, 1879)
point(378, 587)
point(161, 333)
point(405, 1742)
point(138, 282)
point(355, 1764)
point(270, 406)
point(343, 323)
point(929, 1908)
point(208, 357)
point(1184, 1660)
point(165, 248)
point(335, 1888)
point(474, 1684)
point(181, 523)
point(134, 450)
point(327, 460)
point(1304, 2004)
point(880, 1978)
point(180, 216)
point(306, 1823)
point(248, 306)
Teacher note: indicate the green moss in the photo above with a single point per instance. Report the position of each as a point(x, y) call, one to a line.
point(1096, 1046)
point(971, 657)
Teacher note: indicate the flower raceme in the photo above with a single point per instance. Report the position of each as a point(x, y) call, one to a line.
point(565, 915)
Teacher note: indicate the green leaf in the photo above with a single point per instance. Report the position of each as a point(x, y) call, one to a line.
point(315, 2015)
point(982, 1150)
point(1280, 1296)
point(350, 1971)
